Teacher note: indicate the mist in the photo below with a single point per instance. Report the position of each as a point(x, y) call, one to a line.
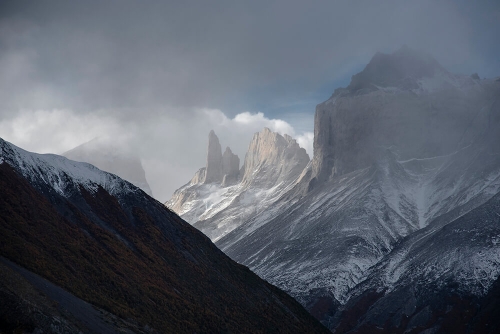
point(158, 76)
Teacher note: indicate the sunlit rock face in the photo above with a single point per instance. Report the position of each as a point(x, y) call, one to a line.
point(272, 158)
point(271, 167)
point(112, 158)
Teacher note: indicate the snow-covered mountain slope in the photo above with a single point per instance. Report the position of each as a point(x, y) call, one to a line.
point(218, 198)
point(328, 239)
point(50, 172)
point(111, 158)
point(396, 153)
point(441, 278)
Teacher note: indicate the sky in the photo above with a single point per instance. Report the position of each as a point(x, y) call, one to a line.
point(157, 76)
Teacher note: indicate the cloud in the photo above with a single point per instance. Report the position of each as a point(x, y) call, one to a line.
point(56, 131)
point(171, 148)
point(155, 75)
point(258, 119)
point(306, 140)
point(238, 131)
point(130, 55)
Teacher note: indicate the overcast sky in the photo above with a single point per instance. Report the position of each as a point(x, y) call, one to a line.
point(158, 75)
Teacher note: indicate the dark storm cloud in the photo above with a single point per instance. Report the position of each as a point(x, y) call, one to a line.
point(132, 54)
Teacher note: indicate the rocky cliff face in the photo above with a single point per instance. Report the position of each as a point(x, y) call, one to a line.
point(271, 151)
point(403, 101)
point(401, 156)
point(113, 159)
point(272, 165)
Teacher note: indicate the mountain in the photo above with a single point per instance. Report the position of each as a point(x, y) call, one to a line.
point(113, 159)
point(82, 250)
point(444, 277)
point(221, 195)
point(392, 226)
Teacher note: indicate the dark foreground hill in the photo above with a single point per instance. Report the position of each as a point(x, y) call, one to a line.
point(83, 250)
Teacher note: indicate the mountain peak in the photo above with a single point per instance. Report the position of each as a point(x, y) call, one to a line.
point(399, 69)
point(269, 148)
point(214, 159)
point(273, 163)
point(230, 167)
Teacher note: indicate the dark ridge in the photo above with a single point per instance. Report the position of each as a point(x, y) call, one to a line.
point(146, 265)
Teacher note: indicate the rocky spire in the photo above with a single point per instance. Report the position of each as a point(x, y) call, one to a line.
point(213, 171)
point(230, 163)
point(230, 167)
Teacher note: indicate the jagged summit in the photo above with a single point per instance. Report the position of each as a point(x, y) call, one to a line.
point(220, 168)
point(272, 165)
point(230, 167)
point(270, 149)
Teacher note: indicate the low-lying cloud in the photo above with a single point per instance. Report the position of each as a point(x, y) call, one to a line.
point(171, 149)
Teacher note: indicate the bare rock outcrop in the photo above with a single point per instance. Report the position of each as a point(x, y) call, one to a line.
point(213, 172)
point(199, 176)
point(269, 151)
point(273, 164)
point(230, 167)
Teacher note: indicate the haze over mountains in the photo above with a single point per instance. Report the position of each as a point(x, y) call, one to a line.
point(392, 226)
point(110, 157)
